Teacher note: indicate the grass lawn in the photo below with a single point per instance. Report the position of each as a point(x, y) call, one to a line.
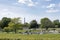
point(10, 36)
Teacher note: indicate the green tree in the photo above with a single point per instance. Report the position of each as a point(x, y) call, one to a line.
point(26, 25)
point(56, 23)
point(33, 24)
point(46, 23)
point(7, 29)
point(15, 24)
point(4, 22)
point(59, 25)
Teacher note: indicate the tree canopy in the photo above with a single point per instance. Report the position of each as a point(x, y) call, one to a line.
point(33, 24)
point(46, 23)
point(56, 23)
point(4, 22)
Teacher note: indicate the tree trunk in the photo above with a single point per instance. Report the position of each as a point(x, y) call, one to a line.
point(15, 31)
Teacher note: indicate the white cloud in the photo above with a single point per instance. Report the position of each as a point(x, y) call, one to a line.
point(52, 10)
point(58, 5)
point(47, 0)
point(51, 6)
point(7, 13)
point(28, 2)
point(22, 1)
point(31, 4)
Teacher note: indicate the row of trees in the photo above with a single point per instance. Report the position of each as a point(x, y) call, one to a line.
point(13, 24)
point(47, 23)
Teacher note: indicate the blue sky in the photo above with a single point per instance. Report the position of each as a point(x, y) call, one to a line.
point(30, 9)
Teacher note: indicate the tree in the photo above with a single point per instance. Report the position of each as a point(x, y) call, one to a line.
point(7, 29)
point(46, 23)
point(4, 22)
point(59, 25)
point(26, 25)
point(15, 24)
point(33, 24)
point(56, 23)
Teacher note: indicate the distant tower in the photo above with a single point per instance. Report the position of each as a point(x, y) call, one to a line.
point(24, 20)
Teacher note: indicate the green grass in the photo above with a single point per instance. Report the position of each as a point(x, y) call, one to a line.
point(11, 36)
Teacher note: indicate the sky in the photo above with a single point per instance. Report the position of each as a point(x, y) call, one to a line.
point(30, 9)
